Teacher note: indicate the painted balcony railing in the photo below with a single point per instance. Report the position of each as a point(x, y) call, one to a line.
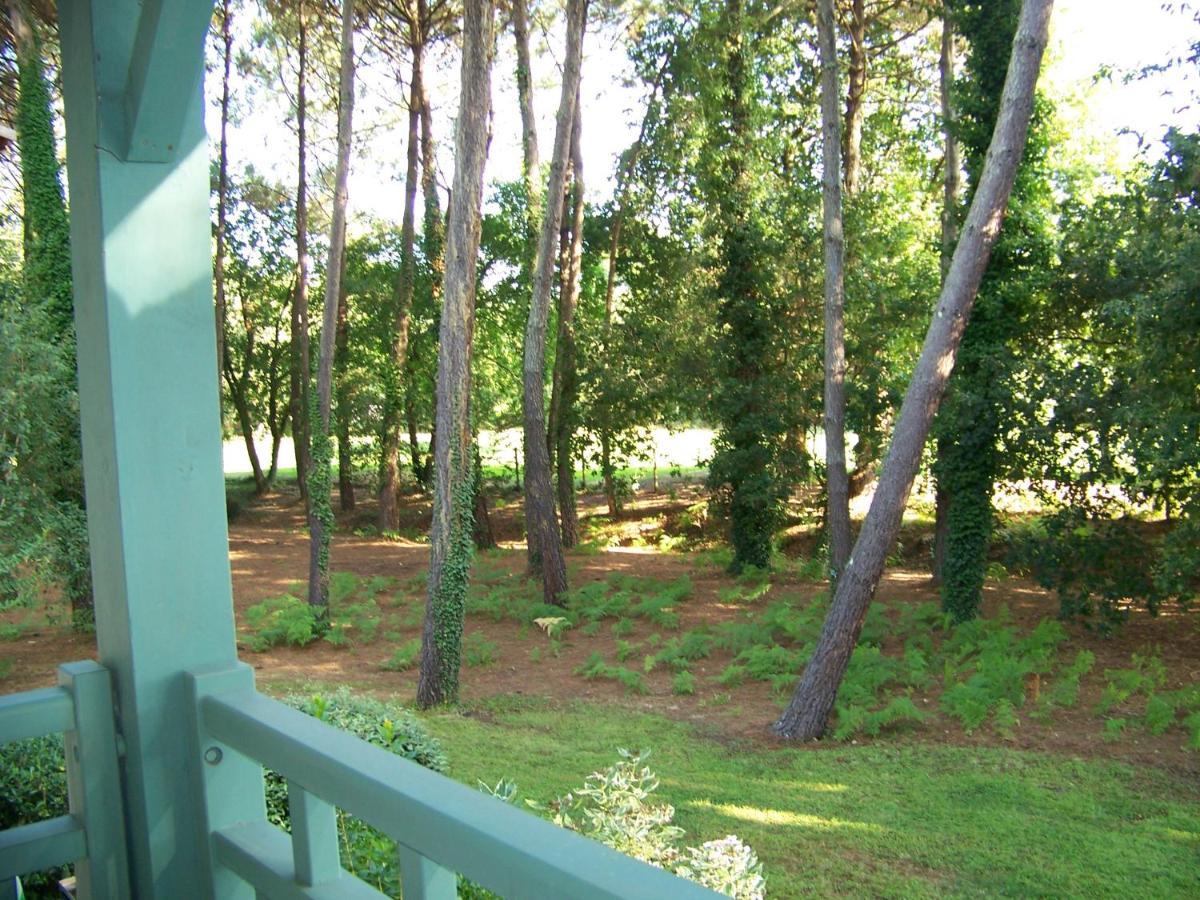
point(92, 834)
point(442, 827)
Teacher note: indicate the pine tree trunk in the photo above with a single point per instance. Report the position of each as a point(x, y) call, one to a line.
point(300, 364)
point(531, 172)
point(541, 521)
point(320, 517)
point(837, 488)
point(451, 532)
point(414, 442)
point(237, 393)
point(808, 712)
point(565, 376)
point(856, 89)
point(485, 538)
point(346, 499)
point(389, 488)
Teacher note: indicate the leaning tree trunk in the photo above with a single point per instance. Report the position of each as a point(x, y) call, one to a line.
point(546, 556)
point(565, 376)
point(320, 516)
point(837, 482)
point(451, 531)
point(300, 359)
point(222, 190)
point(951, 183)
point(389, 482)
point(808, 712)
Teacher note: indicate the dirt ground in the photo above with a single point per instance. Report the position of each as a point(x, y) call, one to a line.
point(268, 553)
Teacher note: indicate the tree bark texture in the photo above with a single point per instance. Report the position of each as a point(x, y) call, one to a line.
point(856, 89)
point(485, 538)
point(389, 486)
point(837, 485)
point(343, 410)
point(808, 712)
point(451, 532)
point(320, 504)
point(951, 186)
point(529, 140)
point(300, 351)
point(531, 172)
point(541, 521)
point(563, 414)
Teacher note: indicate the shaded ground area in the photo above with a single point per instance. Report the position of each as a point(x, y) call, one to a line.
point(382, 579)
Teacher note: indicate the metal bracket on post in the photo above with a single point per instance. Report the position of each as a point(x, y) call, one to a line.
point(229, 785)
point(94, 782)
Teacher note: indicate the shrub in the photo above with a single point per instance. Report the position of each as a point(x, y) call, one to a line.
point(728, 866)
point(618, 808)
point(33, 786)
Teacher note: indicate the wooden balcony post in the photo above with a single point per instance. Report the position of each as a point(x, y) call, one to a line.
point(138, 172)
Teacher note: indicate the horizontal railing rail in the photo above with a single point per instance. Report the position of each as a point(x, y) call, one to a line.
point(441, 826)
point(92, 834)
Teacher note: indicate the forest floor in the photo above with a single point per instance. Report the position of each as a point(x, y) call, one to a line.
point(269, 557)
point(624, 669)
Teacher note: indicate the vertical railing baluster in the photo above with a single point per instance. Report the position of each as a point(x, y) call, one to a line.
point(423, 879)
point(314, 837)
point(94, 782)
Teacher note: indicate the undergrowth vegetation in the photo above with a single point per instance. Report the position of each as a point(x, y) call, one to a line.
point(912, 665)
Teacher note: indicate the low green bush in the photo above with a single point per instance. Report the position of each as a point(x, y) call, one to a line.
point(617, 807)
point(366, 852)
point(33, 787)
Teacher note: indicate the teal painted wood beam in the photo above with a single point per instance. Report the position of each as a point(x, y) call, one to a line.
point(156, 93)
point(141, 245)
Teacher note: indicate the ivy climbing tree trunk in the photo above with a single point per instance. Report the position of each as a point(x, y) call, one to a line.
point(47, 287)
point(389, 482)
point(300, 364)
point(808, 712)
point(837, 484)
point(744, 473)
point(562, 412)
point(320, 516)
point(451, 545)
point(981, 394)
point(345, 397)
point(546, 557)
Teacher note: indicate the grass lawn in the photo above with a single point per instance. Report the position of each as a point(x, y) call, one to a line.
point(897, 820)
